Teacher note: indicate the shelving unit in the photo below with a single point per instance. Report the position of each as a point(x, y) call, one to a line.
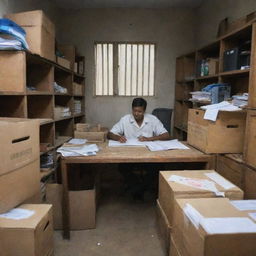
point(27, 91)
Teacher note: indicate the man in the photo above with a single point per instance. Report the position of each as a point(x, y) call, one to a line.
point(144, 127)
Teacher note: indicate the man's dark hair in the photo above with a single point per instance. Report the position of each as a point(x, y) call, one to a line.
point(139, 102)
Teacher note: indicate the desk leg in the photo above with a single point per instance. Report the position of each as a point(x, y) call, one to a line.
point(65, 201)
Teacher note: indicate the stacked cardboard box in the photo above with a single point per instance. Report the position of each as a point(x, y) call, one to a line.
point(169, 191)
point(40, 32)
point(93, 133)
point(210, 227)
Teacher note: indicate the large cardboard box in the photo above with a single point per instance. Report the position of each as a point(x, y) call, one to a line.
point(230, 166)
point(200, 238)
point(100, 136)
point(19, 185)
point(82, 207)
point(19, 140)
point(32, 236)
point(170, 190)
point(40, 32)
point(164, 227)
point(226, 135)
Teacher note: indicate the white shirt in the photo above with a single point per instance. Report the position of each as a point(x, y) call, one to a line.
point(128, 127)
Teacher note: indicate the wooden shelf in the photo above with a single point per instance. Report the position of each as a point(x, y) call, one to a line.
point(207, 77)
point(61, 140)
point(48, 150)
point(78, 75)
point(78, 95)
point(77, 115)
point(63, 118)
point(62, 94)
point(12, 93)
point(38, 92)
point(181, 128)
point(45, 121)
point(235, 73)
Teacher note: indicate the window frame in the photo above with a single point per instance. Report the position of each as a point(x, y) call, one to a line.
point(115, 68)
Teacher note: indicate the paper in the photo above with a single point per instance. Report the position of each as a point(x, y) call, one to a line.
point(129, 142)
point(17, 214)
point(86, 150)
point(77, 141)
point(194, 216)
point(197, 183)
point(228, 225)
point(211, 114)
point(220, 180)
point(244, 205)
point(252, 215)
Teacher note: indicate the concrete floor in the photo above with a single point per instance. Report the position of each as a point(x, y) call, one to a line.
point(124, 228)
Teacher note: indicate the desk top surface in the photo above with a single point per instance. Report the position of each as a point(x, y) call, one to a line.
point(140, 154)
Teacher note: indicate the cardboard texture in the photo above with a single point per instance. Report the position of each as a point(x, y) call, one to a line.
point(163, 224)
point(40, 32)
point(173, 249)
point(13, 71)
point(92, 136)
point(169, 191)
point(213, 65)
point(82, 207)
point(226, 135)
point(63, 62)
point(191, 241)
point(77, 89)
point(19, 185)
point(231, 169)
point(249, 183)
point(20, 140)
point(32, 236)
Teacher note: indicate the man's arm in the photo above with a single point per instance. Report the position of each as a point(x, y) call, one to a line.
point(112, 136)
point(163, 136)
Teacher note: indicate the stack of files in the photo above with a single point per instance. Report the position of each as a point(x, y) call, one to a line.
point(59, 89)
point(200, 96)
point(77, 106)
point(8, 44)
point(241, 100)
point(60, 112)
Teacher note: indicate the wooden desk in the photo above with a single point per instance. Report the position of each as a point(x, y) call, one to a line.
point(128, 155)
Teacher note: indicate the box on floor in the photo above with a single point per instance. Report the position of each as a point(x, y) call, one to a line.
point(170, 190)
point(204, 238)
point(32, 236)
point(40, 32)
point(19, 167)
point(226, 135)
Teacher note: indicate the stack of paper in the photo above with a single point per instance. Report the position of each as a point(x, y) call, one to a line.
point(240, 101)
point(85, 150)
point(200, 96)
point(7, 44)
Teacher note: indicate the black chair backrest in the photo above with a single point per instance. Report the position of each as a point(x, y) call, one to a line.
point(165, 116)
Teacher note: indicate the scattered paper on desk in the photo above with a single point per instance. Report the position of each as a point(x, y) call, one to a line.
point(212, 111)
point(244, 205)
point(228, 225)
point(252, 215)
point(197, 183)
point(86, 150)
point(17, 214)
point(129, 142)
point(77, 141)
point(220, 180)
point(194, 216)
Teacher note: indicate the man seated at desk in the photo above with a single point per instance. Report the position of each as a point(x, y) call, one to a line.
point(144, 127)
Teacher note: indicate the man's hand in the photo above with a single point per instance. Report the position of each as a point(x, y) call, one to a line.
point(122, 139)
point(142, 138)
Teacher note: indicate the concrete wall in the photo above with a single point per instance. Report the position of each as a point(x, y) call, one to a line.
point(212, 12)
point(171, 29)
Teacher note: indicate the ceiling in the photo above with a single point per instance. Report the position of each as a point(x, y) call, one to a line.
point(78, 4)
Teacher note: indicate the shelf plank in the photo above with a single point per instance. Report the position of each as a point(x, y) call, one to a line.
point(38, 92)
point(63, 118)
point(236, 72)
point(62, 94)
point(8, 93)
point(48, 150)
point(78, 95)
point(180, 128)
point(78, 75)
point(44, 121)
point(77, 115)
point(61, 140)
point(200, 78)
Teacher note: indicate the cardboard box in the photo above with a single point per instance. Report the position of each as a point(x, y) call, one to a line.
point(173, 249)
point(19, 139)
point(63, 62)
point(40, 32)
point(77, 89)
point(230, 166)
point(82, 207)
point(69, 51)
point(93, 136)
point(213, 65)
point(164, 227)
point(226, 135)
point(31, 236)
point(83, 127)
point(169, 190)
point(249, 182)
point(19, 185)
point(196, 241)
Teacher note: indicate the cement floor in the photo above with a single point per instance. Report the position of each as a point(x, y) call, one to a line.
point(124, 228)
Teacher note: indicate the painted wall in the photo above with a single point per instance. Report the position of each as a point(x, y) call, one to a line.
point(212, 12)
point(171, 29)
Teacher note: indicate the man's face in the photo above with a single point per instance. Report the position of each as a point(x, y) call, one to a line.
point(138, 113)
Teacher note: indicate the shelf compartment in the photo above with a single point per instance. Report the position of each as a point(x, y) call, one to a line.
point(185, 67)
point(13, 71)
point(182, 91)
point(201, 83)
point(181, 114)
point(63, 101)
point(13, 106)
point(40, 106)
point(63, 79)
point(79, 119)
point(63, 128)
point(61, 139)
point(47, 134)
point(236, 73)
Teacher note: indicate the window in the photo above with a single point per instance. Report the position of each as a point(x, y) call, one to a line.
point(125, 69)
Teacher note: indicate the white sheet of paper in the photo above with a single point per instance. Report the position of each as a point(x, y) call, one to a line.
point(165, 145)
point(253, 215)
point(77, 141)
point(197, 183)
point(244, 205)
point(228, 225)
point(17, 214)
point(86, 150)
point(211, 114)
point(129, 142)
point(194, 216)
point(220, 180)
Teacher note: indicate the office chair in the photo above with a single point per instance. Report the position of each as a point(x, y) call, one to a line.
point(165, 116)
